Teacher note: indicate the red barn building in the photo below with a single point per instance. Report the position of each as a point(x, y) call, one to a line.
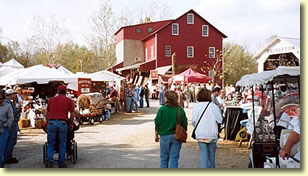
point(144, 47)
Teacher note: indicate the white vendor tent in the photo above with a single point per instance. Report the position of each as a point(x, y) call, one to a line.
point(13, 64)
point(65, 70)
point(105, 76)
point(6, 70)
point(38, 73)
point(266, 76)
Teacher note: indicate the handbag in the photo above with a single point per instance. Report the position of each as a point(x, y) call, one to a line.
point(193, 135)
point(180, 133)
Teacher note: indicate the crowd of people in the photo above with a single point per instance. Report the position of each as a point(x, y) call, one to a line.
point(10, 109)
point(207, 116)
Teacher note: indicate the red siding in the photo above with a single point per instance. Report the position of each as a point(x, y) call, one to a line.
point(189, 35)
point(129, 32)
point(149, 43)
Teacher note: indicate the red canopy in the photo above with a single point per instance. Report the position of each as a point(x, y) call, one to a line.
point(189, 76)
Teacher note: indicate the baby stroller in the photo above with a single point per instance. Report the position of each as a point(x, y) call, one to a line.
point(71, 144)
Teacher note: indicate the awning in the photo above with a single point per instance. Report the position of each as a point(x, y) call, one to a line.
point(147, 66)
point(113, 68)
point(129, 67)
point(266, 76)
point(163, 70)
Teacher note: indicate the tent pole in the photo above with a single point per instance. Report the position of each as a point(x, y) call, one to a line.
point(275, 118)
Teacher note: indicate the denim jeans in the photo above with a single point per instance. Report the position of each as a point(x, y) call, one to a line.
point(141, 101)
point(207, 154)
point(169, 151)
point(147, 100)
point(12, 140)
point(106, 116)
point(3, 142)
point(56, 128)
point(128, 104)
point(135, 105)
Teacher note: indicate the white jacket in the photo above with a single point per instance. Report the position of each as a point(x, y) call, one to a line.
point(207, 128)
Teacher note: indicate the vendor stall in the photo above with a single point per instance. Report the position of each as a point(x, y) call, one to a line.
point(267, 128)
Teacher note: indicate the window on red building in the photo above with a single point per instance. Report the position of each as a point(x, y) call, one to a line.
point(190, 18)
point(190, 51)
point(205, 30)
point(138, 31)
point(167, 51)
point(212, 52)
point(175, 29)
point(150, 29)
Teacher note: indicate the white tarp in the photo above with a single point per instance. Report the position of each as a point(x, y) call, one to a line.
point(266, 76)
point(105, 76)
point(6, 70)
point(65, 70)
point(37, 73)
point(12, 63)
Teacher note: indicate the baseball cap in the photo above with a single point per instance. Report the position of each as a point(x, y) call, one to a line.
point(61, 87)
point(10, 91)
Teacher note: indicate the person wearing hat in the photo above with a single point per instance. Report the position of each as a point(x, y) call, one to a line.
point(57, 116)
point(113, 94)
point(6, 120)
point(11, 99)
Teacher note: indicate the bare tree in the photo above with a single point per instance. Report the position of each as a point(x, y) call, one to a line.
point(102, 41)
point(47, 34)
point(213, 67)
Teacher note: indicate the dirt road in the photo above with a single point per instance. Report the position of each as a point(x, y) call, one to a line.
point(125, 141)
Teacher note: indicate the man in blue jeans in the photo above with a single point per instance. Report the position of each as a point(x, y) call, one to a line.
point(129, 97)
point(6, 120)
point(12, 139)
point(57, 116)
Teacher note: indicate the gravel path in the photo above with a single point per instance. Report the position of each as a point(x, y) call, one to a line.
point(125, 141)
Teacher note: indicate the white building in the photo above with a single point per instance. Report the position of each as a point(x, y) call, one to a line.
point(281, 51)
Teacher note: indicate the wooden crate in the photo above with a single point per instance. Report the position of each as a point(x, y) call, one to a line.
point(23, 123)
point(39, 124)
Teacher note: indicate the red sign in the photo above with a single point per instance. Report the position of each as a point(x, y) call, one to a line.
point(154, 74)
point(84, 86)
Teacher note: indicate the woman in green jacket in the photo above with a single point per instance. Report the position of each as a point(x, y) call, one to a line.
point(165, 122)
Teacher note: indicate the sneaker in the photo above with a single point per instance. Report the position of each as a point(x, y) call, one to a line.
point(11, 161)
point(63, 165)
point(49, 164)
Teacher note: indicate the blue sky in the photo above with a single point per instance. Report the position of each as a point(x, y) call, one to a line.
point(245, 22)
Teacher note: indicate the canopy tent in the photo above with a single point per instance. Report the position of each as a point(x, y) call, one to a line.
point(266, 76)
point(13, 64)
point(6, 70)
point(105, 76)
point(65, 70)
point(38, 73)
point(190, 76)
point(97, 76)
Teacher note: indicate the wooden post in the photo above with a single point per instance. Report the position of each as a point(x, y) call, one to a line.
point(173, 64)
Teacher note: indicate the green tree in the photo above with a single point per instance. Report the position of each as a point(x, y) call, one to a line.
point(75, 58)
point(3, 52)
point(237, 63)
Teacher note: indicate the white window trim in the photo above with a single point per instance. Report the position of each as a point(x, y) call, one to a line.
point(152, 52)
point(207, 30)
point(178, 28)
point(191, 52)
point(166, 52)
point(146, 54)
point(210, 52)
point(193, 18)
